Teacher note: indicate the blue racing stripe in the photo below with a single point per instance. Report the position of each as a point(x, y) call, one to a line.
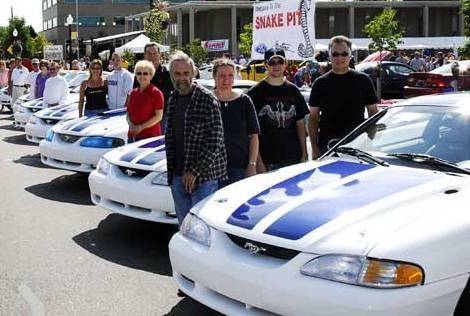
point(154, 144)
point(60, 113)
point(131, 155)
point(348, 197)
point(258, 207)
point(99, 117)
point(153, 157)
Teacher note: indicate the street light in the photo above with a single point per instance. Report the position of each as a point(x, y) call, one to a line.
point(69, 23)
point(15, 33)
point(17, 47)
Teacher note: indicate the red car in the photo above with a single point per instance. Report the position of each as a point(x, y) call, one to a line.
point(438, 81)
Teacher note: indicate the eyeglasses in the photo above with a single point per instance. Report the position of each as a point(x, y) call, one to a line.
point(342, 54)
point(274, 62)
point(95, 68)
point(144, 73)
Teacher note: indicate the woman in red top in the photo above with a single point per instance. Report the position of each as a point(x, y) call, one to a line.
point(145, 105)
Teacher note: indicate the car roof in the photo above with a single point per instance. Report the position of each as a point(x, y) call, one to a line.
point(456, 99)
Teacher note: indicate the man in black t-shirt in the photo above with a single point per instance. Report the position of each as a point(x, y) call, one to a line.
point(338, 98)
point(281, 110)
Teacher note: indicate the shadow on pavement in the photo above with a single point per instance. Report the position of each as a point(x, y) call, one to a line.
point(190, 307)
point(7, 118)
point(68, 189)
point(130, 242)
point(18, 139)
point(32, 161)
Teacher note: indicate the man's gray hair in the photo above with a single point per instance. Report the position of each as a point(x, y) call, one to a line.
point(338, 40)
point(151, 44)
point(180, 56)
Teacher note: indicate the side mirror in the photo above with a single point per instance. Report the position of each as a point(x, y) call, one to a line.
point(333, 142)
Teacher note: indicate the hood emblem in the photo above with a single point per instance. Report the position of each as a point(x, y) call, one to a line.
point(130, 172)
point(253, 249)
point(221, 200)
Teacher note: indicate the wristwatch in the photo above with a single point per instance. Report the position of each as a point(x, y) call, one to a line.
point(252, 163)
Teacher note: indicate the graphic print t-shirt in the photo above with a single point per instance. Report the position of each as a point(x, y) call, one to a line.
point(278, 109)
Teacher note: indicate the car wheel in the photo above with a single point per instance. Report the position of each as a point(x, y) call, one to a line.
point(463, 306)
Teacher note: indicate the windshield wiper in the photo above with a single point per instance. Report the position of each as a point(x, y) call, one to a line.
point(430, 161)
point(363, 155)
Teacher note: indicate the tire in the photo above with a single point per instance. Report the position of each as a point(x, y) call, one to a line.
point(463, 305)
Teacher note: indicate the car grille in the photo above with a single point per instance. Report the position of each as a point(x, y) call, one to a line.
point(264, 249)
point(134, 173)
point(68, 138)
point(51, 122)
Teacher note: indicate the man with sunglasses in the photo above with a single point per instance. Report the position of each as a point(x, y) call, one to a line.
point(338, 98)
point(281, 110)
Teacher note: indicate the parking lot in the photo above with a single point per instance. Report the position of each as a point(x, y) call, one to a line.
point(61, 255)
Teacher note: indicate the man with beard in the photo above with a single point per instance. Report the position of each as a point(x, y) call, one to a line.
point(194, 138)
point(281, 110)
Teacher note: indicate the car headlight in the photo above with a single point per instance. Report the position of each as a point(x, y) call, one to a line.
point(103, 166)
point(364, 271)
point(49, 135)
point(33, 119)
point(161, 179)
point(102, 142)
point(195, 229)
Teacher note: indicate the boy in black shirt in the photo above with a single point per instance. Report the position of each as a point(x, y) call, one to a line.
point(281, 110)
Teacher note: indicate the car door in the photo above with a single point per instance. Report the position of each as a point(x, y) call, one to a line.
point(395, 78)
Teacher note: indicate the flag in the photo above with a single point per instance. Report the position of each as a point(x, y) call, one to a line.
point(10, 49)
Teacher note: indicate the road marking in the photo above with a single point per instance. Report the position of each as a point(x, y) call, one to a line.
point(37, 308)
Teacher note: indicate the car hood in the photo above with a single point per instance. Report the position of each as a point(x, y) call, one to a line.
point(109, 124)
point(147, 154)
point(34, 104)
point(331, 206)
point(59, 112)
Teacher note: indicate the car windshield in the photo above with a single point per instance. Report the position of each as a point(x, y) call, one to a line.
point(438, 131)
point(447, 68)
point(78, 79)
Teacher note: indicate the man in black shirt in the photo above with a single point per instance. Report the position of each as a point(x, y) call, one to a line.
point(281, 110)
point(338, 98)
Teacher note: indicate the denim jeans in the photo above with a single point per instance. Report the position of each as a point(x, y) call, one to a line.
point(184, 201)
point(234, 175)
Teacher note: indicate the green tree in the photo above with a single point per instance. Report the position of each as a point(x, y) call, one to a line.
point(24, 35)
point(156, 22)
point(129, 56)
point(196, 51)
point(246, 39)
point(39, 42)
point(465, 50)
point(385, 33)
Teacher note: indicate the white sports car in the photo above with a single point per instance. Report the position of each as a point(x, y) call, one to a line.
point(131, 180)
point(5, 99)
point(379, 226)
point(79, 144)
point(40, 122)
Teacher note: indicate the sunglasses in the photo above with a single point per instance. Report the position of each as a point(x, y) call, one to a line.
point(144, 73)
point(343, 54)
point(274, 62)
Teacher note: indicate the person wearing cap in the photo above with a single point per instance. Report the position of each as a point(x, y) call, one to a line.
point(338, 98)
point(19, 80)
point(120, 83)
point(32, 78)
point(281, 110)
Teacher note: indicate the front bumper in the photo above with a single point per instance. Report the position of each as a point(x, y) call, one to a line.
point(134, 197)
point(36, 132)
point(21, 119)
point(61, 155)
point(227, 278)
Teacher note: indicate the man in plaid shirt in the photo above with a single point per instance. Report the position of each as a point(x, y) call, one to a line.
point(194, 138)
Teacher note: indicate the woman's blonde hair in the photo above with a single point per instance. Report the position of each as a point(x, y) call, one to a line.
point(93, 63)
point(145, 64)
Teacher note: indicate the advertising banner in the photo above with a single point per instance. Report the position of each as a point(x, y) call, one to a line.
point(289, 24)
point(215, 45)
point(53, 52)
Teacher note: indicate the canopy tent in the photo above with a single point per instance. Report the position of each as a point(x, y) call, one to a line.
point(137, 45)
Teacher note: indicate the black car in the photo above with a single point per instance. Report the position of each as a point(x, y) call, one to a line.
point(394, 76)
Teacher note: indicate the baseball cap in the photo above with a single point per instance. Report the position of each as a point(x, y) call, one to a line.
point(274, 52)
point(35, 61)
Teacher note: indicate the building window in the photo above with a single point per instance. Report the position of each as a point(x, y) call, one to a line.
point(44, 25)
point(54, 2)
point(91, 21)
point(119, 20)
point(49, 23)
point(44, 6)
point(131, 1)
point(54, 22)
point(83, 1)
point(49, 3)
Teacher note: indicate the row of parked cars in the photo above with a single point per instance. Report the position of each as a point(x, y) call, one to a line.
point(378, 226)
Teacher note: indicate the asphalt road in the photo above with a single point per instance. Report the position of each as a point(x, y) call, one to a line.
point(61, 255)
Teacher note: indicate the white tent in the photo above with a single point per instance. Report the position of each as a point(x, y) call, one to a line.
point(137, 45)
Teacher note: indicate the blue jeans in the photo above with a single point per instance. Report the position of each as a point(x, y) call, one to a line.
point(89, 113)
point(234, 175)
point(184, 201)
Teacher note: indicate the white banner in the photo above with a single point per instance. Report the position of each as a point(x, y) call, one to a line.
point(289, 24)
point(215, 45)
point(53, 52)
